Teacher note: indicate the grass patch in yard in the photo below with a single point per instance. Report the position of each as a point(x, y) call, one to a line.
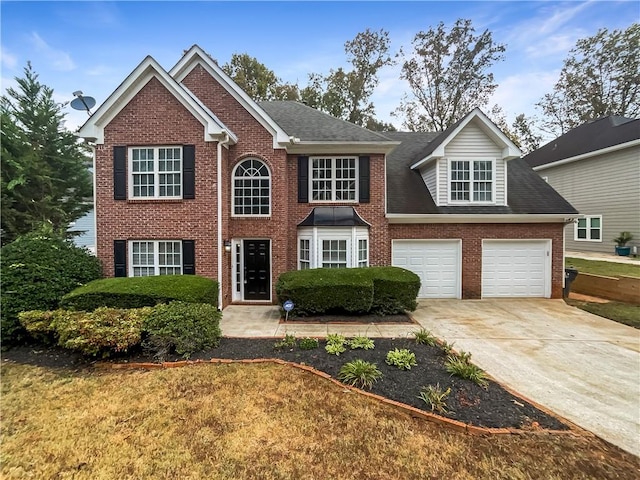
point(608, 269)
point(625, 313)
point(255, 422)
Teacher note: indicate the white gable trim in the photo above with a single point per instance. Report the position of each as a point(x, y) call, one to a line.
point(509, 149)
point(595, 153)
point(93, 129)
point(196, 56)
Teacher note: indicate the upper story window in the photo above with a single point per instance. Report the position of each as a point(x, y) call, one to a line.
point(155, 172)
point(471, 181)
point(333, 179)
point(251, 189)
point(589, 228)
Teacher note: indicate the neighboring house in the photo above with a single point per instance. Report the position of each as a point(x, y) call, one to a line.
point(192, 176)
point(84, 229)
point(596, 167)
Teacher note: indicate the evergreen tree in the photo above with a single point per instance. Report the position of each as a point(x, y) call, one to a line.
point(44, 167)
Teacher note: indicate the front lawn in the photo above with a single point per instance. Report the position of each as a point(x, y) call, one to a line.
point(625, 313)
point(254, 422)
point(608, 269)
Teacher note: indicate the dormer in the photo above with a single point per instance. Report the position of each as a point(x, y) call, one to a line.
point(466, 165)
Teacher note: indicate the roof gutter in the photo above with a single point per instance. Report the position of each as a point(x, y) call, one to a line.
point(395, 218)
point(320, 147)
point(595, 153)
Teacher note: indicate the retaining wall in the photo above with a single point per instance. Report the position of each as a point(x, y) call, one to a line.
point(622, 289)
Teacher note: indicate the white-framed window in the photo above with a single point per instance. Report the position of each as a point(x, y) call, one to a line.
point(588, 229)
point(471, 181)
point(333, 179)
point(251, 189)
point(333, 247)
point(155, 172)
point(155, 257)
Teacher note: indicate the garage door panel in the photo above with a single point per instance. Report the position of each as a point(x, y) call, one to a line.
point(436, 263)
point(516, 268)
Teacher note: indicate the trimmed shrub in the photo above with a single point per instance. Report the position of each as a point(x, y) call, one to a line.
point(37, 269)
point(181, 327)
point(354, 291)
point(137, 292)
point(326, 290)
point(104, 331)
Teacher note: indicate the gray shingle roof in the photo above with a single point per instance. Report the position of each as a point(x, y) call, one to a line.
point(311, 125)
point(408, 194)
point(590, 137)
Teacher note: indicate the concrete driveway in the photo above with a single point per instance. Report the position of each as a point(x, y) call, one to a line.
point(581, 366)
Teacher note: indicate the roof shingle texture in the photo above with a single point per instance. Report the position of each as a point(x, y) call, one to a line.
point(590, 137)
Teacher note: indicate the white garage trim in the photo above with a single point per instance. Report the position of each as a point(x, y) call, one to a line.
point(516, 268)
point(437, 263)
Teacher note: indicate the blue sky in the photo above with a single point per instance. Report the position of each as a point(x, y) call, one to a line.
point(93, 46)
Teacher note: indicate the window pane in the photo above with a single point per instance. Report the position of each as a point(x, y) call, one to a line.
point(251, 188)
point(595, 222)
point(582, 223)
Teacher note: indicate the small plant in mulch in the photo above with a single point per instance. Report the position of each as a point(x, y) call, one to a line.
point(359, 373)
point(425, 337)
point(435, 398)
point(402, 358)
point(288, 342)
point(461, 366)
point(308, 343)
point(362, 342)
point(335, 344)
point(447, 347)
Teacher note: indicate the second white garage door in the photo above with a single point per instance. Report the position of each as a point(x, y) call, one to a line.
point(516, 268)
point(436, 262)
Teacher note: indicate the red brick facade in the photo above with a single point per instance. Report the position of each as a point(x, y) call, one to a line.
point(155, 117)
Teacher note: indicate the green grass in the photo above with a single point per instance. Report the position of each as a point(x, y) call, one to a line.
point(608, 269)
point(625, 313)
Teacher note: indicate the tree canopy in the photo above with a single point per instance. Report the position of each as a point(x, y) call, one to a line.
point(449, 74)
point(600, 77)
point(44, 168)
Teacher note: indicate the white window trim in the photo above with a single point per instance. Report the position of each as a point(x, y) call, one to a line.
point(156, 253)
point(471, 181)
point(333, 178)
point(233, 191)
point(156, 172)
point(316, 235)
point(588, 228)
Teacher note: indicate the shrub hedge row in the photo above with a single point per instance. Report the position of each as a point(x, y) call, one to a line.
point(137, 292)
point(181, 327)
point(355, 291)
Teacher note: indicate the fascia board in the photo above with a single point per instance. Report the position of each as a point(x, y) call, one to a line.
point(595, 153)
point(339, 147)
point(477, 218)
point(196, 56)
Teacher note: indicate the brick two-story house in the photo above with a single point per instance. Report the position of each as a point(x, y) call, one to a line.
point(192, 176)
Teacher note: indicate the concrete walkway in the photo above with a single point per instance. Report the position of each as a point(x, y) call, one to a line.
point(581, 366)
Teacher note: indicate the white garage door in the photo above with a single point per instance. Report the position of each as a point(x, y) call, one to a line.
point(437, 263)
point(516, 268)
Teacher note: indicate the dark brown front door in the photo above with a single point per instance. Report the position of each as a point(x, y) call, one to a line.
point(257, 270)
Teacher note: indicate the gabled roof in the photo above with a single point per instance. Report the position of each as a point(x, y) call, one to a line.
point(407, 194)
point(93, 128)
point(196, 56)
point(590, 139)
point(437, 148)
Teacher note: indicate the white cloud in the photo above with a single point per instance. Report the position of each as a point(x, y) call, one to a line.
point(519, 93)
point(9, 61)
point(59, 59)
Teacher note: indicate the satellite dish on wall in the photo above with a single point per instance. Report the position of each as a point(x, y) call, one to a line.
point(82, 102)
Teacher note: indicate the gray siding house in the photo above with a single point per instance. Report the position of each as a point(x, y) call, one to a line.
point(596, 167)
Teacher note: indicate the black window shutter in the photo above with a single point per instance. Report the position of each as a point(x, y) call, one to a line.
point(364, 180)
point(189, 171)
point(120, 258)
point(119, 173)
point(303, 179)
point(188, 257)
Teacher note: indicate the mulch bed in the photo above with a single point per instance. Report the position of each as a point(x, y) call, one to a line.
point(351, 319)
point(491, 407)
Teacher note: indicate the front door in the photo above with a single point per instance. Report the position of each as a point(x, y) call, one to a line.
point(257, 270)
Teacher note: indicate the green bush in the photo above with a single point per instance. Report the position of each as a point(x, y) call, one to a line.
point(362, 342)
point(308, 343)
point(461, 366)
point(136, 292)
point(288, 342)
point(402, 358)
point(359, 373)
point(355, 291)
point(104, 331)
point(37, 269)
point(182, 327)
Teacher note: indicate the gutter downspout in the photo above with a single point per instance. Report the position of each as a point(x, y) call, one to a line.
point(220, 246)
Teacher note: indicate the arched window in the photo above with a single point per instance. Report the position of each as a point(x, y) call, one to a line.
point(251, 188)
